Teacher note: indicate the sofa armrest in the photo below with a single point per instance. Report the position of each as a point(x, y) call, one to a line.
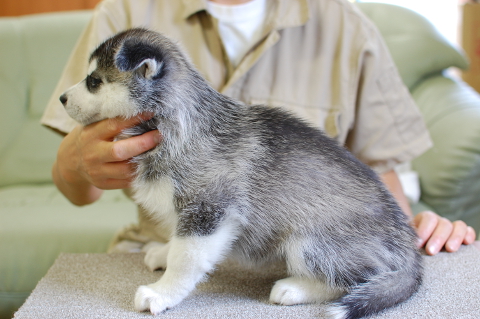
point(450, 171)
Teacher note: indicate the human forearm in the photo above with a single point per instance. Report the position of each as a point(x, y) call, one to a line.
point(68, 172)
point(391, 180)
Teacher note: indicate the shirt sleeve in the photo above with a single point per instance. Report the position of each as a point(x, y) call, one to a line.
point(389, 128)
point(106, 20)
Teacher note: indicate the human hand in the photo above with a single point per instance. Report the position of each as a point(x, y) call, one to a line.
point(88, 158)
point(436, 232)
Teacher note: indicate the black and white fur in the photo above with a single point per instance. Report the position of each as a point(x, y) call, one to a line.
point(250, 182)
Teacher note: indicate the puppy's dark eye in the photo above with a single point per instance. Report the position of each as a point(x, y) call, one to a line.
point(93, 83)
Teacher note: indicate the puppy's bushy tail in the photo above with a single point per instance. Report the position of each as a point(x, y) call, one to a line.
point(380, 292)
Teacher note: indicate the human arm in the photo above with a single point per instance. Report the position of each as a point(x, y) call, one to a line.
point(90, 161)
point(434, 231)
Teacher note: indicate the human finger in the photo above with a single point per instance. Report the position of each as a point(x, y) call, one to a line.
point(425, 224)
point(125, 149)
point(108, 129)
point(439, 237)
point(102, 175)
point(112, 183)
point(470, 236)
point(457, 236)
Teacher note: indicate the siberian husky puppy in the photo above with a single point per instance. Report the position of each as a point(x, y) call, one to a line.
point(247, 181)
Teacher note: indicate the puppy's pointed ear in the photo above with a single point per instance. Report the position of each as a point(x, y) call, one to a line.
point(135, 55)
point(150, 68)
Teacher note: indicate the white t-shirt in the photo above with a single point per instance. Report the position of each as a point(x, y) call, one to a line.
point(240, 26)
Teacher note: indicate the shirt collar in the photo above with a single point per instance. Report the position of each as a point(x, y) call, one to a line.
point(191, 7)
point(288, 14)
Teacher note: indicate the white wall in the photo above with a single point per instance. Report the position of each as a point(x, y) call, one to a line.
point(444, 14)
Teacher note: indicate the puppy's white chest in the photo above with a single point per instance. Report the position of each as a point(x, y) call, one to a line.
point(156, 197)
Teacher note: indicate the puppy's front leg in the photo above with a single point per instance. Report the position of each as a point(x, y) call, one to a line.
point(189, 259)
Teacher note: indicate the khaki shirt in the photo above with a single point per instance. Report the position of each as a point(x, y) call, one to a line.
point(321, 59)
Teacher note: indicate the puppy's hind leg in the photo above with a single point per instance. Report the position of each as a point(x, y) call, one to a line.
point(299, 290)
point(305, 285)
point(156, 256)
point(189, 259)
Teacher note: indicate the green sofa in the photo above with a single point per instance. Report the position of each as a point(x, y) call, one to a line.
point(37, 223)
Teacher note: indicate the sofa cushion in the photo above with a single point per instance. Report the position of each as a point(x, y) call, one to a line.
point(38, 47)
point(29, 157)
point(450, 171)
point(13, 82)
point(47, 46)
point(417, 48)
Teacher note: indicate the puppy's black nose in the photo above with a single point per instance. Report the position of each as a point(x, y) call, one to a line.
point(63, 99)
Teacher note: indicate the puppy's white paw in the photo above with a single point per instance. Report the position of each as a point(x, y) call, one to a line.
point(294, 291)
point(148, 298)
point(287, 292)
point(156, 256)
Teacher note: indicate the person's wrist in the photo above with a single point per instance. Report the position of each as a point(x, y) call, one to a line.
point(77, 189)
point(67, 175)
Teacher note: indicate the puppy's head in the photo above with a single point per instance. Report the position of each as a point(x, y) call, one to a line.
point(132, 72)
